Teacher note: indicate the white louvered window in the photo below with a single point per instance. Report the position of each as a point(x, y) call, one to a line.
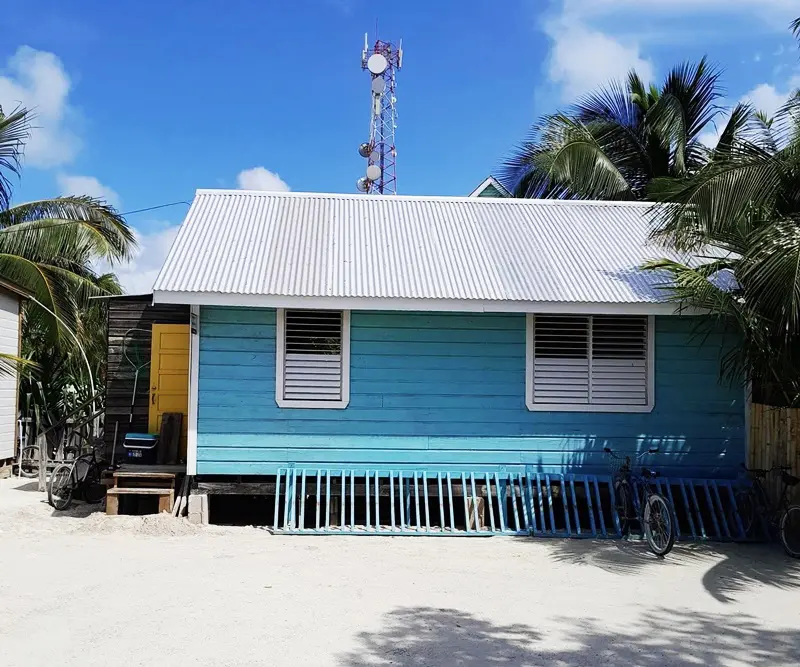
point(313, 359)
point(590, 363)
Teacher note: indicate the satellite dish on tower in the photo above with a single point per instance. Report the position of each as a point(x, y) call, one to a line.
point(378, 86)
point(373, 172)
point(374, 156)
point(364, 150)
point(362, 184)
point(377, 63)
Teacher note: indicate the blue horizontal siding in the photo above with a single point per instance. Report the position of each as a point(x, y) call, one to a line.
point(445, 391)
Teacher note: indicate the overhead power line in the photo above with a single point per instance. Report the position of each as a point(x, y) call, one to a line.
point(153, 208)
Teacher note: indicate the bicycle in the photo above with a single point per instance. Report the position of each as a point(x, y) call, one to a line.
point(81, 476)
point(635, 500)
point(780, 519)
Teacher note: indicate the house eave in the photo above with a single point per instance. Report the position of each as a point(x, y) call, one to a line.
point(413, 304)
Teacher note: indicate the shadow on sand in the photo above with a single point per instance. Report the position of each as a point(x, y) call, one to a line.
point(732, 568)
point(426, 636)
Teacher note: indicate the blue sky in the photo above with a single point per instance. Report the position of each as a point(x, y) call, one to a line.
point(144, 102)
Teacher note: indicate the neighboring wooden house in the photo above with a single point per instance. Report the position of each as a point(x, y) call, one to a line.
point(144, 336)
point(358, 332)
point(491, 187)
point(10, 343)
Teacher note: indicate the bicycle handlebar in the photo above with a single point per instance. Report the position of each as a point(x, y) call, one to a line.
point(766, 471)
point(613, 454)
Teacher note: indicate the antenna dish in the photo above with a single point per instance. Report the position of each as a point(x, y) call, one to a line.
point(373, 172)
point(378, 85)
point(362, 184)
point(374, 156)
point(377, 63)
point(365, 150)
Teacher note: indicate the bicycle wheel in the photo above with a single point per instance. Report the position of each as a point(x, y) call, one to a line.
point(790, 531)
point(93, 490)
point(29, 461)
point(658, 528)
point(623, 506)
point(61, 487)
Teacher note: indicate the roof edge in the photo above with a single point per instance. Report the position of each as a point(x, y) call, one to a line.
point(507, 201)
point(412, 304)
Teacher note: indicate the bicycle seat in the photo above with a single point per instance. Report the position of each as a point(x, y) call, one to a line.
point(646, 472)
point(790, 480)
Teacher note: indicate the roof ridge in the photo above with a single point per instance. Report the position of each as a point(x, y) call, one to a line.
point(507, 201)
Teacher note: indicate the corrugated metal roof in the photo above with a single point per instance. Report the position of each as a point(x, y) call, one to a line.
point(341, 246)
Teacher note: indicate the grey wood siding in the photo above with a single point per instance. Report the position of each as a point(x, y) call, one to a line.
point(125, 313)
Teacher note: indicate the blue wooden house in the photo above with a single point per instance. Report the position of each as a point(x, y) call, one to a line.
point(439, 334)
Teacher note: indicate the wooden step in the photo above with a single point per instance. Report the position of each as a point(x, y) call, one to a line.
point(166, 497)
point(145, 474)
point(121, 491)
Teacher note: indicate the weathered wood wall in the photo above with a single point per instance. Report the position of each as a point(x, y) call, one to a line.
point(126, 313)
point(774, 437)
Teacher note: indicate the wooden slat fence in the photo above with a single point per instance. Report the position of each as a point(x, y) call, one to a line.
point(775, 439)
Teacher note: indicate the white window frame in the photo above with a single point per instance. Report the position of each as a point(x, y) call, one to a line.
point(588, 407)
point(280, 352)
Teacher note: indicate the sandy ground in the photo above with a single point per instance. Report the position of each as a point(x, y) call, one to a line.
point(86, 589)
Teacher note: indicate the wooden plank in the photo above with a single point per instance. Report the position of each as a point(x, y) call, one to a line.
point(132, 467)
point(140, 491)
point(112, 504)
point(165, 502)
point(145, 474)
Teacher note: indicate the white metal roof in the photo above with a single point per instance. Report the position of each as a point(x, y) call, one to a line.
point(282, 249)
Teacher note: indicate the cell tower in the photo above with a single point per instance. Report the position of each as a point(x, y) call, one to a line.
point(382, 61)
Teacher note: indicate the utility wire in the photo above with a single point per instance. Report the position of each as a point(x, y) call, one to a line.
point(153, 208)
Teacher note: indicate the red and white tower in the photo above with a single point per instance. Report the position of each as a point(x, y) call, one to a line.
point(383, 60)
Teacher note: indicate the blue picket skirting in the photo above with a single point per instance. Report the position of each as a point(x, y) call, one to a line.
point(324, 501)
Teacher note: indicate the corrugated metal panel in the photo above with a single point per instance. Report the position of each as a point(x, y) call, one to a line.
point(324, 245)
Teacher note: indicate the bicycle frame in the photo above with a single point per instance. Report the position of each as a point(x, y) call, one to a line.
point(770, 511)
point(641, 488)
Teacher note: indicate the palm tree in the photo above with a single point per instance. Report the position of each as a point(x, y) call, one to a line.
point(614, 142)
point(49, 247)
point(740, 214)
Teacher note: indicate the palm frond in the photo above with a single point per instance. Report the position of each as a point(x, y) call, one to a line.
point(11, 365)
point(98, 223)
point(577, 156)
point(14, 131)
point(686, 105)
point(724, 193)
point(734, 130)
point(56, 291)
point(771, 272)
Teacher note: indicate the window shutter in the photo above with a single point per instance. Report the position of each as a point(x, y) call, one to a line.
point(596, 360)
point(312, 364)
point(619, 360)
point(561, 360)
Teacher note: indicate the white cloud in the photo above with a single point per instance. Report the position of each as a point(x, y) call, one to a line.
point(38, 81)
point(582, 59)
point(767, 10)
point(764, 97)
point(768, 98)
point(260, 178)
point(594, 41)
point(87, 185)
point(138, 275)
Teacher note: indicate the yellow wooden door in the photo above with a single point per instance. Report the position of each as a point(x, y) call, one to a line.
point(169, 375)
